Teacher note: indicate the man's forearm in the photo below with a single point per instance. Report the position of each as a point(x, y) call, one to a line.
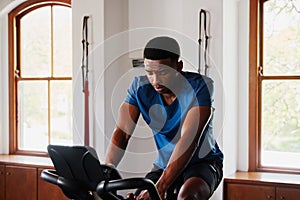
point(177, 163)
point(192, 129)
point(128, 116)
point(116, 148)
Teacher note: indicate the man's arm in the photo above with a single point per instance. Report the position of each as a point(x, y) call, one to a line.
point(128, 116)
point(192, 128)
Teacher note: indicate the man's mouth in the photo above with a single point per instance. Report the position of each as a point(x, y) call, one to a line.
point(159, 89)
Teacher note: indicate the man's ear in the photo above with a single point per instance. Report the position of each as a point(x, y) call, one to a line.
point(179, 66)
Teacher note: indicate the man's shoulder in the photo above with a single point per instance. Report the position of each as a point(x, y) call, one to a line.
point(196, 77)
point(139, 81)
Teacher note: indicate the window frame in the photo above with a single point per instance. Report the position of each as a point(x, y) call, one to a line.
point(255, 88)
point(14, 60)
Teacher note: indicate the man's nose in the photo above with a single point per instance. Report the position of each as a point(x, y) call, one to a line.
point(155, 79)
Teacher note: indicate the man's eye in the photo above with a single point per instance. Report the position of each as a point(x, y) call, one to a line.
point(149, 73)
point(164, 72)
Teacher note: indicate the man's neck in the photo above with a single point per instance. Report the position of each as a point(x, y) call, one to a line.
point(168, 98)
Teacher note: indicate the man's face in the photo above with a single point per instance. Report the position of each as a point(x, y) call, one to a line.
point(162, 73)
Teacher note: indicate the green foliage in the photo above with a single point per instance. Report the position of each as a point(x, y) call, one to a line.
point(281, 98)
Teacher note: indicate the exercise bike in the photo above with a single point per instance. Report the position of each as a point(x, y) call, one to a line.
point(79, 174)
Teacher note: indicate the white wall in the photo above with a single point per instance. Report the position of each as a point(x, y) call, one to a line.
point(118, 31)
point(243, 81)
point(93, 9)
point(3, 86)
point(230, 84)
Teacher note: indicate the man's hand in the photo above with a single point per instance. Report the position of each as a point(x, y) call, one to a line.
point(144, 195)
point(110, 165)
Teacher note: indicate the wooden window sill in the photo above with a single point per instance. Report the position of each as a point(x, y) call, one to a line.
point(261, 186)
point(263, 178)
point(26, 160)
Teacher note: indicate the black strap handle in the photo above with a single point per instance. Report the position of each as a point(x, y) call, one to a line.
point(206, 37)
point(85, 51)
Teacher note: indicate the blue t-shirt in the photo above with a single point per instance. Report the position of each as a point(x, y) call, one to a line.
point(191, 89)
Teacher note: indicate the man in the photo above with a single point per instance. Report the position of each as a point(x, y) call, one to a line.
point(177, 106)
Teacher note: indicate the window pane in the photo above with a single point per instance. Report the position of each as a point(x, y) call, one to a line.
point(33, 115)
point(281, 37)
point(36, 43)
point(281, 123)
point(61, 112)
point(62, 41)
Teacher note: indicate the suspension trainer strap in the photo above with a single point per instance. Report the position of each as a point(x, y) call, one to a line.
point(85, 81)
point(206, 37)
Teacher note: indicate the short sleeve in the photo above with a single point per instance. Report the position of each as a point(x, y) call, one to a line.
point(131, 97)
point(204, 93)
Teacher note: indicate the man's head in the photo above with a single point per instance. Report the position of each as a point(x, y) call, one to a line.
point(162, 48)
point(161, 59)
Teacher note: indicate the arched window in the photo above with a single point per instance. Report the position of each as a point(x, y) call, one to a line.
point(40, 76)
point(274, 115)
